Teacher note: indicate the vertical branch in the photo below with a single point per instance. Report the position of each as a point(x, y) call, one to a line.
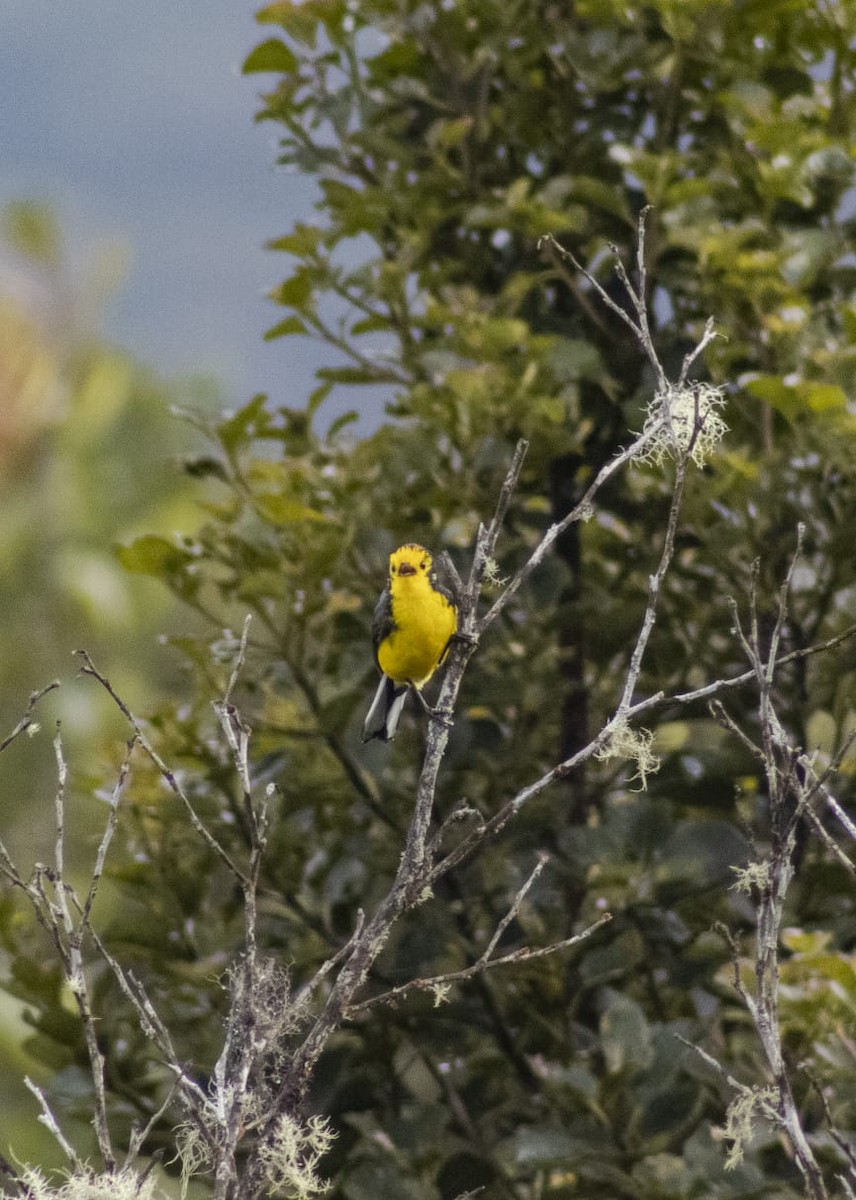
point(107, 836)
point(655, 582)
point(788, 794)
point(245, 1033)
point(414, 869)
point(73, 962)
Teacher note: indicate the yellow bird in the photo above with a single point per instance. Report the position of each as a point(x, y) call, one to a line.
point(413, 623)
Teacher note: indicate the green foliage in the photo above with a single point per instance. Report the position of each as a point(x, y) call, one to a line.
point(446, 139)
point(83, 463)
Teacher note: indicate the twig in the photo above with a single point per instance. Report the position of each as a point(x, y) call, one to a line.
point(577, 513)
point(842, 1143)
point(26, 722)
point(240, 660)
point(49, 1120)
point(638, 323)
point(655, 582)
point(169, 776)
point(837, 811)
point(788, 799)
point(61, 914)
point(9, 1171)
point(328, 964)
point(439, 983)
point(712, 1062)
point(140, 1134)
point(153, 1027)
point(486, 543)
point(706, 338)
point(109, 830)
point(738, 681)
point(514, 910)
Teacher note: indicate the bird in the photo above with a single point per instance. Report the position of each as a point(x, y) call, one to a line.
point(413, 623)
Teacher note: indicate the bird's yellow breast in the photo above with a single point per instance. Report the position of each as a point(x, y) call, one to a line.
point(424, 622)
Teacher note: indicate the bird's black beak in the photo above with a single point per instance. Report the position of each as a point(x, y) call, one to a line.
point(406, 569)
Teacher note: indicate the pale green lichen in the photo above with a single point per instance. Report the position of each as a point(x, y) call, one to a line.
point(492, 575)
point(441, 993)
point(746, 1106)
point(291, 1154)
point(753, 875)
point(635, 745)
point(687, 422)
point(90, 1185)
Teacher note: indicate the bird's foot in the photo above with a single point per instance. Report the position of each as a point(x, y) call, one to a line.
point(441, 715)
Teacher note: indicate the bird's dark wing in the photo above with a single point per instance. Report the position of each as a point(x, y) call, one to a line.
point(445, 591)
point(382, 619)
point(447, 587)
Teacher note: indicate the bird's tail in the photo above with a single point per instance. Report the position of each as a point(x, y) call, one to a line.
point(382, 718)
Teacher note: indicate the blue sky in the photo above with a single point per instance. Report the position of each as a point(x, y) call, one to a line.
point(134, 122)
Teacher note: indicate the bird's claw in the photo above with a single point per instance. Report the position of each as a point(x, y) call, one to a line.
point(442, 716)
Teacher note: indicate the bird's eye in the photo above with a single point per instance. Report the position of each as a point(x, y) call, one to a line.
point(423, 565)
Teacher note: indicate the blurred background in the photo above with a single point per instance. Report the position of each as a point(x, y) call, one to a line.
point(135, 199)
point(136, 126)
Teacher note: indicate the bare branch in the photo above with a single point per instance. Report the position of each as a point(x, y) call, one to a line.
point(49, 1120)
point(637, 296)
point(439, 984)
point(328, 965)
point(789, 794)
point(655, 582)
point(169, 776)
point(109, 830)
point(581, 510)
point(26, 723)
point(240, 660)
point(486, 544)
point(706, 338)
point(60, 912)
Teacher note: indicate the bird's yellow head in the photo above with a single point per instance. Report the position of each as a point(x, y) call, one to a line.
point(410, 560)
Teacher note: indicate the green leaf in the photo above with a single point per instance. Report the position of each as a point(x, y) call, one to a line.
point(587, 190)
point(272, 55)
point(203, 466)
point(823, 397)
point(539, 1146)
point(283, 510)
point(296, 291)
point(243, 425)
point(300, 21)
point(317, 397)
point(32, 231)
point(352, 375)
point(287, 328)
point(445, 134)
point(340, 423)
point(302, 241)
point(376, 324)
point(793, 399)
point(152, 555)
point(569, 359)
point(625, 1035)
